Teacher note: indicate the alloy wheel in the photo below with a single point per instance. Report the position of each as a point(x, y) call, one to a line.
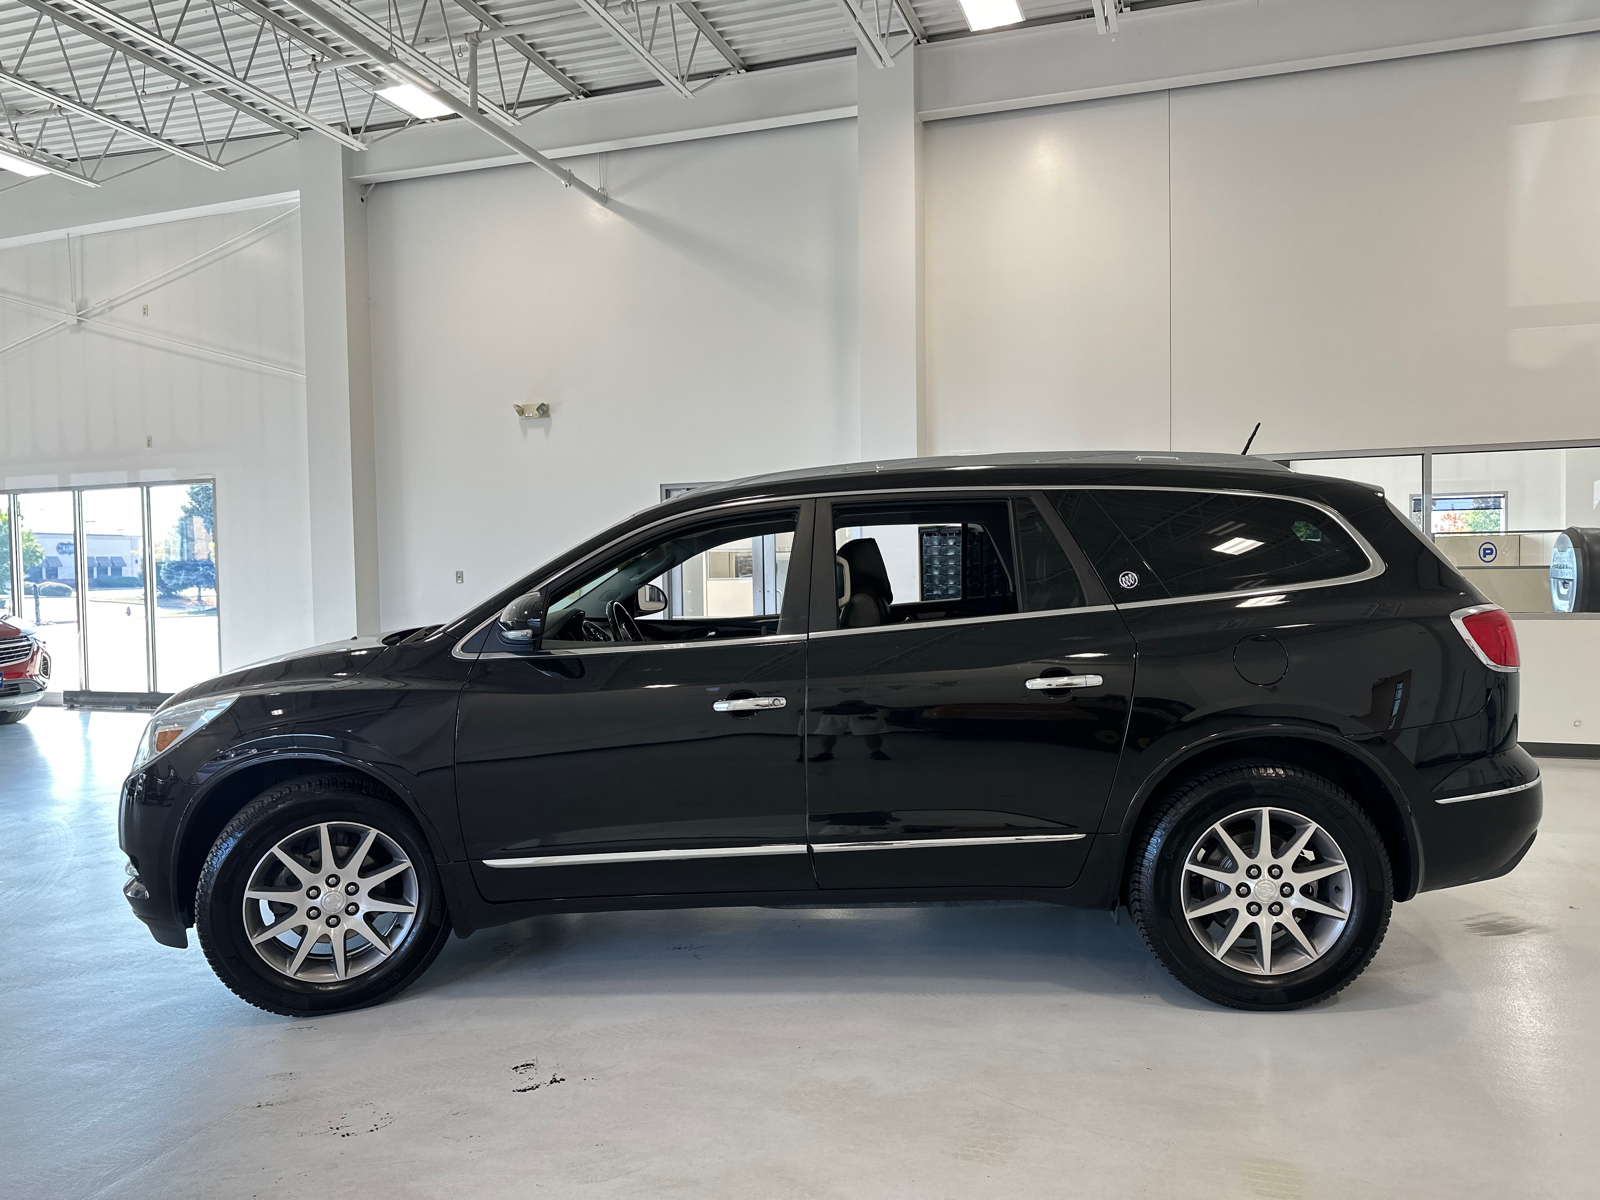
point(330, 902)
point(1266, 891)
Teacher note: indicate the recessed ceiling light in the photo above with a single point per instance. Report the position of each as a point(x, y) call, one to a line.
point(12, 162)
point(412, 99)
point(1237, 545)
point(990, 14)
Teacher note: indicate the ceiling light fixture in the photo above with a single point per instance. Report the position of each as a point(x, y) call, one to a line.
point(408, 97)
point(990, 14)
point(1237, 545)
point(13, 162)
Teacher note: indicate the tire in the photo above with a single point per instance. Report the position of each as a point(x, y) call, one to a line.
point(12, 715)
point(1183, 888)
point(298, 822)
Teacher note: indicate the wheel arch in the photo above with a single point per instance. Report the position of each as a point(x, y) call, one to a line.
point(227, 794)
point(1368, 783)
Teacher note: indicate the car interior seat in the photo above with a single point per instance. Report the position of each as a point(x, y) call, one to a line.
point(870, 595)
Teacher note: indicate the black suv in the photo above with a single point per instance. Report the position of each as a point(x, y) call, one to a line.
point(1256, 707)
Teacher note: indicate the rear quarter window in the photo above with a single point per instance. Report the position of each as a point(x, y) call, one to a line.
point(1199, 543)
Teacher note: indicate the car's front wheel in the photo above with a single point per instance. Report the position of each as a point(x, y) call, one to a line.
point(320, 896)
point(1261, 886)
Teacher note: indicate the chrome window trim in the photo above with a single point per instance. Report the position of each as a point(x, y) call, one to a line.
point(1375, 568)
point(1521, 787)
point(945, 843)
point(902, 626)
point(1375, 564)
point(585, 649)
point(628, 856)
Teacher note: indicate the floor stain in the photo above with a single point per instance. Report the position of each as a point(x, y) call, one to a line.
point(1275, 1179)
point(1495, 924)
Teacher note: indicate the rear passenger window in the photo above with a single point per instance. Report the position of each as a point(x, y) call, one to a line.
point(1048, 579)
point(1197, 543)
point(922, 560)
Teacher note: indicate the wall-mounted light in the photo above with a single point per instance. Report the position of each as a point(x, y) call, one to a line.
point(533, 411)
point(408, 97)
point(990, 14)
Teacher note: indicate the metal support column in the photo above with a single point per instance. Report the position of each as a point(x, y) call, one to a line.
point(80, 571)
point(148, 570)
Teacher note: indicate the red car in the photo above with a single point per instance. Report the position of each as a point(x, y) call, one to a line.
point(24, 670)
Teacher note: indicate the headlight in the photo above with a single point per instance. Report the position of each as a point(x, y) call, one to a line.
point(171, 725)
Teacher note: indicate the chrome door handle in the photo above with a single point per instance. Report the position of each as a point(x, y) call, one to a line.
point(1054, 683)
point(750, 704)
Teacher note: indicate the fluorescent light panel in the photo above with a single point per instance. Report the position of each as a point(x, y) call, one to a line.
point(1238, 545)
point(11, 162)
point(1263, 601)
point(414, 100)
point(990, 14)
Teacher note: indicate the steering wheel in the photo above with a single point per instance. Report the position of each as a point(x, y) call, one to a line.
point(623, 627)
point(591, 631)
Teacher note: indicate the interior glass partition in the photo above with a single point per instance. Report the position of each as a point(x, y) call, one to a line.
point(120, 583)
point(1497, 512)
point(116, 630)
point(48, 525)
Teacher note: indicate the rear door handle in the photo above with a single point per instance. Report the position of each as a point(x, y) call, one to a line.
point(1053, 683)
point(751, 704)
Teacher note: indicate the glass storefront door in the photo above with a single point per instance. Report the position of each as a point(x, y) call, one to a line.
point(48, 525)
point(120, 582)
point(115, 630)
point(183, 547)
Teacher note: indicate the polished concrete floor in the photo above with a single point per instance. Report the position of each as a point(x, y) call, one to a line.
point(1007, 1051)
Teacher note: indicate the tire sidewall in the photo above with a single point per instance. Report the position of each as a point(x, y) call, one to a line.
point(1174, 837)
point(219, 902)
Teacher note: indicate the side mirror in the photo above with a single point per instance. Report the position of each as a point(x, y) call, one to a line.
point(523, 619)
point(651, 599)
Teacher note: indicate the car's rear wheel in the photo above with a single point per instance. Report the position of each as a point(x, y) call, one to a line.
point(320, 896)
point(1261, 886)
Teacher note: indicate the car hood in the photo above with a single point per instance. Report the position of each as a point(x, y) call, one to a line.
point(325, 665)
point(11, 627)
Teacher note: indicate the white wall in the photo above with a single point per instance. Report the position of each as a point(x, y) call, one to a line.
point(77, 405)
point(701, 327)
point(1398, 253)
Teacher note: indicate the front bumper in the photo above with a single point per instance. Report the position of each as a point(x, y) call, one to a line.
point(20, 693)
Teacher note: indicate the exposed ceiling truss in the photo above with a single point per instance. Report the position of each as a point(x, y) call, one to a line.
point(86, 83)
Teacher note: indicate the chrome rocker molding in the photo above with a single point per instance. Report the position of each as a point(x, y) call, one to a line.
point(945, 843)
point(627, 856)
point(1521, 787)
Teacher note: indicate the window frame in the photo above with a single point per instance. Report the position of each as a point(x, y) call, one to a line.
point(1375, 563)
point(792, 619)
point(824, 614)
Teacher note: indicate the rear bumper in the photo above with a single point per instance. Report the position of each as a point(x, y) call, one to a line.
point(1478, 836)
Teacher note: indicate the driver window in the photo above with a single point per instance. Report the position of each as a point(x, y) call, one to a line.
point(719, 579)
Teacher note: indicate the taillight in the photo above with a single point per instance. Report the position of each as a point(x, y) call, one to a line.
point(1487, 629)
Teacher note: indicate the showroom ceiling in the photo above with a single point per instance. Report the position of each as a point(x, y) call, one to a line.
point(83, 82)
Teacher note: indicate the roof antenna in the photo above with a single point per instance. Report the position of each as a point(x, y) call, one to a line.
point(1251, 438)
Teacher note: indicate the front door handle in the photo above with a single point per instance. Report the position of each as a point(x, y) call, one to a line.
point(1053, 683)
point(750, 704)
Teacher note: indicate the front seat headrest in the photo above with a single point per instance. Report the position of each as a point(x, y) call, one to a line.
point(867, 572)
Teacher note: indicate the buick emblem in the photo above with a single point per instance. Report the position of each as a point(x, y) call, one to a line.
point(1128, 579)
